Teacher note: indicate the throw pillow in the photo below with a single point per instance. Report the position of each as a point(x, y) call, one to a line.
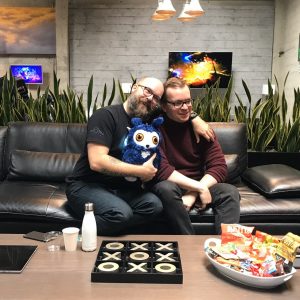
point(274, 180)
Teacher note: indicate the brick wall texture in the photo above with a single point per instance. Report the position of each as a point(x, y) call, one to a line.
point(115, 38)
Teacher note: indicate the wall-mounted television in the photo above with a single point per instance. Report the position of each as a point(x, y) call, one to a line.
point(200, 69)
point(32, 74)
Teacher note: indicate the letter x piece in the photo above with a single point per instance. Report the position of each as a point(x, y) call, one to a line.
point(112, 256)
point(164, 257)
point(168, 246)
point(136, 246)
point(142, 267)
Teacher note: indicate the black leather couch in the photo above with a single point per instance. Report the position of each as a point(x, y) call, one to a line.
point(36, 158)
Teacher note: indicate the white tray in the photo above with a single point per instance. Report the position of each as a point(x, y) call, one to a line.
point(249, 280)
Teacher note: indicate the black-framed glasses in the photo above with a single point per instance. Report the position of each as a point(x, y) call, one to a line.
point(148, 92)
point(180, 103)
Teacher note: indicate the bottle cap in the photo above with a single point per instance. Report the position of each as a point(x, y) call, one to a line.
point(89, 206)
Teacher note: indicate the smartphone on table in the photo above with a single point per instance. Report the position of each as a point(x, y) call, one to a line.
point(38, 236)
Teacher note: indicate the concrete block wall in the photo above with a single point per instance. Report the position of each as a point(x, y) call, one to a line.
point(115, 38)
point(286, 44)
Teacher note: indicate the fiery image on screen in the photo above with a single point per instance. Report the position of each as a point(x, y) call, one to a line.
point(201, 68)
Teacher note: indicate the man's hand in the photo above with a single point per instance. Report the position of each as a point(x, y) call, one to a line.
point(205, 198)
point(149, 169)
point(201, 128)
point(189, 199)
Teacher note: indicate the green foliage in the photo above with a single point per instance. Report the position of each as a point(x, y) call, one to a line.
point(267, 125)
point(64, 106)
point(10, 105)
point(213, 106)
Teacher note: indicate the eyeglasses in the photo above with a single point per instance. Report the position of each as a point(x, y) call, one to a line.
point(148, 92)
point(180, 103)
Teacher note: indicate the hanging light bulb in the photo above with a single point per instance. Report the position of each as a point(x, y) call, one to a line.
point(194, 8)
point(165, 7)
point(159, 17)
point(183, 17)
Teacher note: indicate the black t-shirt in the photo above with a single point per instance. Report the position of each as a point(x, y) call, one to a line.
point(107, 126)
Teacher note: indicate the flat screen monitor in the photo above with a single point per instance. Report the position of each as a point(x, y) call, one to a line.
point(13, 258)
point(32, 74)
point(200, 69)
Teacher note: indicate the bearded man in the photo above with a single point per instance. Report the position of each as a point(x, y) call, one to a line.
point(99, 175)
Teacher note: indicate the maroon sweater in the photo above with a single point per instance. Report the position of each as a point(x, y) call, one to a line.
point(180, 152)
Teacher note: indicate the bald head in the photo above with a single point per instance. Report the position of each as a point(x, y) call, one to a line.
point(154, 84)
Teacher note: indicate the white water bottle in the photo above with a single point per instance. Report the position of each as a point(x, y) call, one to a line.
point(89, 229)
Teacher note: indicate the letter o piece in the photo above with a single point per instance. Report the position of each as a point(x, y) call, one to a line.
point(139, 256)
point(165, 268)
point(108, 267)
point(114, 246)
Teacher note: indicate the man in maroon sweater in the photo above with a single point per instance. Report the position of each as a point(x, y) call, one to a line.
point(191, 174)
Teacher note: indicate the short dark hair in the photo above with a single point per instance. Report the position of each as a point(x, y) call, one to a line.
point(173, 82)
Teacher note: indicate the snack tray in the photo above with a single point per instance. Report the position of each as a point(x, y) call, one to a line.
point(138, 262)
point(246, 279)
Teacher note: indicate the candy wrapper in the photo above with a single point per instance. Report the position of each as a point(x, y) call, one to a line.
point(260, 254)
point(237, 234)
point(287, 250)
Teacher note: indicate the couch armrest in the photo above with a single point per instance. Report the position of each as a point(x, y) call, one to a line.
point(233, 140)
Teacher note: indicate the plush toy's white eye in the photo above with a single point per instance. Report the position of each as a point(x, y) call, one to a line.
point(139, 137)
point(155, 140)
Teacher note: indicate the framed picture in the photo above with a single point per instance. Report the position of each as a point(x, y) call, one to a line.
point(27, 30)
point(31, 74)
point(200, 69)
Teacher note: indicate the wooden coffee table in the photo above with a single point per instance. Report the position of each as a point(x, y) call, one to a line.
point(67, 275)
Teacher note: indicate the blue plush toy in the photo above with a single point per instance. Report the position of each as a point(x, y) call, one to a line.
point(142, 142)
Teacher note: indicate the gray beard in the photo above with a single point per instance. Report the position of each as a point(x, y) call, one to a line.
point(134, 111)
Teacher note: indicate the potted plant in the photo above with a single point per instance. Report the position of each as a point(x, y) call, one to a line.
point(272, 138)
point(64, 106)
point(213, 105)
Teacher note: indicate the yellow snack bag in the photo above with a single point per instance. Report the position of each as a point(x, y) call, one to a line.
point(287, 248)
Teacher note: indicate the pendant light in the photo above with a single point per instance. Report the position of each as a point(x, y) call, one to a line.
point(194, 8)
point(165, 10)
point(159, 17)
point(165, 7)
point(183, 17)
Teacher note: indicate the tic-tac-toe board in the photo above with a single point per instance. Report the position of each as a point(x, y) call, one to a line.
point(138, 261)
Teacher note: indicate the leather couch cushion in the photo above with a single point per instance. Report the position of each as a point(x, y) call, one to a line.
point(232, 162)
point(28, 202)
point(274, 180)
point(44, 137)
point(40, 166)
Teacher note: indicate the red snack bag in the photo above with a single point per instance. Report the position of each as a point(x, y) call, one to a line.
point(237, 234)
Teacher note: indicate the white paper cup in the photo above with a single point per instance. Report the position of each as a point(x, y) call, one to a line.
point(70, 238)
